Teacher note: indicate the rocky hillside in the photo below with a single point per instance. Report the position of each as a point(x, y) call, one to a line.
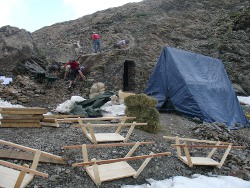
point(215, 28)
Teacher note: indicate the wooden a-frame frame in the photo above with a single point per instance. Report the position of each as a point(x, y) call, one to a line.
point(95, 138)
point(12, 175)
point(108, 170)
point(207, 161)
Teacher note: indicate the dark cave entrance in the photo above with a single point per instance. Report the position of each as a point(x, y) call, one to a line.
point(129, 76)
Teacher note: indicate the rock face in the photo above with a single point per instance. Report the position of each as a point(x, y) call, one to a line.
point(218, 29)
point(215, 28)
point(17, 52)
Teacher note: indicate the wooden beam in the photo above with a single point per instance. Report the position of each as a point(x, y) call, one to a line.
point(225, 156)
point(11, 165)
point(206, 146)
point(194, 140)
point(99, 119)
point(143, 165)
point(62, 116)
point(20, 155)
point(48, 124)
point(121, 159)
point(22, 124)
point(105, 145)
point(22, 112)
point(29, 149)
point(20, 177)
point(20, 120)
point(110, 125)
point(22, 116)
point(22, 109)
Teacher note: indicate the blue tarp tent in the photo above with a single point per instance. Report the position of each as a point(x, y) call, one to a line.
point(195, 85)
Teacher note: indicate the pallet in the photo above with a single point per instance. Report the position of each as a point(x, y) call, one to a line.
point(201, 161)
point(112, 169)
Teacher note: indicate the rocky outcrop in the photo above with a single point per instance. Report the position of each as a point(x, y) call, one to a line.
point(18, 53)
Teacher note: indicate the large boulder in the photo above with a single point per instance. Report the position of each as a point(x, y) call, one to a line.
point(17, 52)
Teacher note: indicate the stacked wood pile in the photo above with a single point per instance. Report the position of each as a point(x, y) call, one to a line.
point(21, 117)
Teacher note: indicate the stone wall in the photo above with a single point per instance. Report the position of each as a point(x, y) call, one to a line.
point(117, 70)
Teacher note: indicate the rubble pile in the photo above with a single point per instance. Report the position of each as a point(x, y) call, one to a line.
point(20, 90)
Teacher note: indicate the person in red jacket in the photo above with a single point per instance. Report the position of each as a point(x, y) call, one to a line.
point(71, 65)
point(97, 42)
point(74, 73)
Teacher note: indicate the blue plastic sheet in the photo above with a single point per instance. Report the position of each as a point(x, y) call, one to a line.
point(197, 86)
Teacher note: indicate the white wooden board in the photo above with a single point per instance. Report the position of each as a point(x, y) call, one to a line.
point(200, 161)
point(9, 176)
point(108, 137)
point(112, 171)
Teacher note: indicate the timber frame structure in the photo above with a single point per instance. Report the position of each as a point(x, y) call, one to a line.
point(12, 175)
point(95, 138)
point(111, 169)
point(206, 161)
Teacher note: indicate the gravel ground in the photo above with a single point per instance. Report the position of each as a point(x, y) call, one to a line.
point(51, 140)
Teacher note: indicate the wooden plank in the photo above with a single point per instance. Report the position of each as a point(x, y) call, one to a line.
point(100, 119)
point(225, 156)
point(85, 153)
point(132, 150)
point(36, 160)
point(11, 165)
point(20, 124)
point(129, 132)
point(22, 112)
point(20, 155)
point(143, 165)
point(200, 161)
point(96, 172)
point(122, 159)
point(20, 120)
point(62, 116)
point(91, 134)
point(8, 177)
point(206, 146)
point(21, 177)
point(108, 172)
point(189, 161)
point(178, 148)
point(110, 124)
point(3, 142)
point(22, 116)
point(51, 120)
point(48, 124)
point(22, 109)
point(105, 145)
point(195, 140)
point(107, 137)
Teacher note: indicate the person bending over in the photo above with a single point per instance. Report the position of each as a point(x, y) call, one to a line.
point(74, 74)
